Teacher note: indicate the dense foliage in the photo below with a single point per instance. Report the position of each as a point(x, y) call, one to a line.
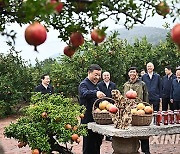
point(46, 123)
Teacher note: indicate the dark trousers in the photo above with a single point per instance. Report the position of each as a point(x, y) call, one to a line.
point(145, 145)
point(176, 105)
point(155, 105)
point(165, 103)
point(92, 143)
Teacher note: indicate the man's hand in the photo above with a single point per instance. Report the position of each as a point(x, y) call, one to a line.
point(100, 94)
point(171, 100)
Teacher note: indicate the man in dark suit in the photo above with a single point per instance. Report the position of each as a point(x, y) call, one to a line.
point(106, 86)
point(88, 93)
point(154, 85)
point(45, 87)
point(166, 84)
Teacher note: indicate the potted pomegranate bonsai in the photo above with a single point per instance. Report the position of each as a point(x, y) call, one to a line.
point(49, 122)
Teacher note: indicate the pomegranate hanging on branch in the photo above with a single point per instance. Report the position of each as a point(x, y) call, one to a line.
point(35, 34)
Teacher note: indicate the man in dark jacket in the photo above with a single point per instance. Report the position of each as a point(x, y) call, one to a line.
point(106, 86)
point(154, 85)
point(88, 93)
point(45, 87)
point(166, 84)
point(175, 91)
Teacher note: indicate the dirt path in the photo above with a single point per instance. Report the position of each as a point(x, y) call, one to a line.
point(159, 144)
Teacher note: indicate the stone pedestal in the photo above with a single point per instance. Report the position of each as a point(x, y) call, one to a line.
point(125, 145)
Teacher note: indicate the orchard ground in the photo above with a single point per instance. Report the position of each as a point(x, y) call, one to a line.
point(166, 144)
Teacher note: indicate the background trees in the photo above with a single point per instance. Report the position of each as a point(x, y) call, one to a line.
point(114, 55)
point(15, 81)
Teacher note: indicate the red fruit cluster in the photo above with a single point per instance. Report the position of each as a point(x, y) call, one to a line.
point(75, 137)
point(76, 40)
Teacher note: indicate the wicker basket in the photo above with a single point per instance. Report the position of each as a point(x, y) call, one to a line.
point(102, 118)
point(142, 120)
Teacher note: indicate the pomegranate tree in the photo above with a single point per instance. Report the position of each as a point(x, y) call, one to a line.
point(35, 34)
point(50, 134)
point(175, 34)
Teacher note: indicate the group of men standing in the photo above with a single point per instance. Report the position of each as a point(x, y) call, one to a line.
point(150, 88)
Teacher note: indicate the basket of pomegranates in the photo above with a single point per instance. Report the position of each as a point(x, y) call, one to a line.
point(101, 109)
point(142, 114)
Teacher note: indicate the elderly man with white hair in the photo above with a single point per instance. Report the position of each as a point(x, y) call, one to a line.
point(154, 85)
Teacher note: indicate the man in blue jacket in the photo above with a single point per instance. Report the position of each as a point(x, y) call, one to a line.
point(154, 85)
point(88, 93)
point(166, 84)
point(175, 90)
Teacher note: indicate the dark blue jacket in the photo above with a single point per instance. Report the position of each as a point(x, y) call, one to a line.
point(102, 87)
point(154, 86)
point(43, 90)
point(87, 96)
point(166, 85)
point(175, 90)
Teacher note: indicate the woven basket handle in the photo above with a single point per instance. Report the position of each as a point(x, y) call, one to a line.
point(104, 98)
point(146, 103)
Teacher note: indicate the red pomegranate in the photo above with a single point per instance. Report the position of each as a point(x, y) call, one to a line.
point(69, 51)
point(175, 34)
point(131, 94)
point(98, 35)
point(35, 34)
point(162, 9)
point(58, 5)
point(76, 39)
